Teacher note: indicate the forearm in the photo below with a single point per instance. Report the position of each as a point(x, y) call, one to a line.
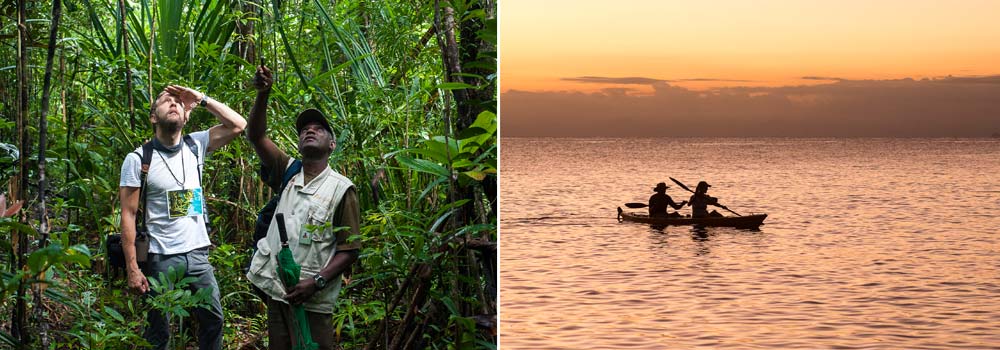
point(339, 263)
point(227, 116)
point(129, 197)
point(128, 240)
point(257, 126)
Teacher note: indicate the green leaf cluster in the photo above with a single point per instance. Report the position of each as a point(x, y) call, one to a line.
point(375, 68)
point(470, 156)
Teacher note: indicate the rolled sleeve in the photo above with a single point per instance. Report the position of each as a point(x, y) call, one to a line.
point(203, 138)
point(131, 168)
point(349, 215)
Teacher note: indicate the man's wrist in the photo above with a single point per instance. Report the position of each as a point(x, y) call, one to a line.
point(320, 281)
point(204, 100)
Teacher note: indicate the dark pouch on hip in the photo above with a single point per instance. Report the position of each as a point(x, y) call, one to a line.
point(141, 247)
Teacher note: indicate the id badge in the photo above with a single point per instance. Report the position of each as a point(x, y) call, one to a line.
point(305, 238)
point(185, 202)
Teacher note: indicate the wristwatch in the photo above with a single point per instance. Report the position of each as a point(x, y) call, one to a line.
point(204, 101)
point(320, 281)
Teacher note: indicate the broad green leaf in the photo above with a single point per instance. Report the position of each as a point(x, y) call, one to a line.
point(455, 86)
point(114, 314)
point(424, 166)
point(434, 155)
point(471, 131)
point(475, 175)
point(461, 163)
point(17, 226)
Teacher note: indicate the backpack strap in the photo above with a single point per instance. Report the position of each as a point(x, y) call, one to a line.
point(290, 171)
point(146, 157)
point(194, 149)
point(189, 141)
point(191, 144)
point(266, 214)
point(293, 169)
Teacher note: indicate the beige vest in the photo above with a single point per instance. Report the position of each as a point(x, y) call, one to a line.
point(308, 210)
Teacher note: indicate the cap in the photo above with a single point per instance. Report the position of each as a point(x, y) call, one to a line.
point(660, 186)
point(702, 185)
point(309, 116)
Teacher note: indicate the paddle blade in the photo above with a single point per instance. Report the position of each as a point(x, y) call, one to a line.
point(636, 205)
point(681, 185)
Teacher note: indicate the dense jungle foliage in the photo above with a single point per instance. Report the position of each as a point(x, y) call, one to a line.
point(411, 90)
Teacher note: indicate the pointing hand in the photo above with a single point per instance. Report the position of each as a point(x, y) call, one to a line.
point(262, 80)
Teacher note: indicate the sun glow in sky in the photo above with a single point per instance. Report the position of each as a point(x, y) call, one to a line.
point(708, 44)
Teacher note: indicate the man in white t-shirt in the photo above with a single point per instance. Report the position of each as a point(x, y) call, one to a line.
point(175, 206)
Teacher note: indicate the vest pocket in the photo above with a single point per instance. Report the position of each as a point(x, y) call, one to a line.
point(318, 225)
point(320, 232)
point(261, 259)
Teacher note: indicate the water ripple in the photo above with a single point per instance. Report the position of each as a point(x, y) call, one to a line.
point(869, 244)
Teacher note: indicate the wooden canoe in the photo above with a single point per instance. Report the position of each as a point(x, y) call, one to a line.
point(746, 221)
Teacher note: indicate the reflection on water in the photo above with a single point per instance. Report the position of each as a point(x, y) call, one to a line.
point(869, 243)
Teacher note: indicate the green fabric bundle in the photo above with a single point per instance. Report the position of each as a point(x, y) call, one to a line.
point(289, 272)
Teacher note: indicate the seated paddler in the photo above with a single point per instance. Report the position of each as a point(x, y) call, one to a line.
point(700, 201)
point(659, 202)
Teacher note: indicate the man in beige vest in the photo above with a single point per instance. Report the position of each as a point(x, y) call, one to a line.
point(321, 214)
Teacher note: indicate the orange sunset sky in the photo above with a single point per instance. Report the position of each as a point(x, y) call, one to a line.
point(653, 68)
point(746, 43)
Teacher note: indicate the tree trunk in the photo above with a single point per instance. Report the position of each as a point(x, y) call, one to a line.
point(67, 119)
point(122, 11)
point(472, 49)
point(244, 30)
point(467, 107)
point(18, 326)
point(42, 182)
point(43, 119)
point(444, 20)
point(468, 104)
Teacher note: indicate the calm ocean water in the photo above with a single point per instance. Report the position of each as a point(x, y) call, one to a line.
point(869, 244)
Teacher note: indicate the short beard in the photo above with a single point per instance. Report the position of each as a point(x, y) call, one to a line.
point(313, 153)
point(169, 127)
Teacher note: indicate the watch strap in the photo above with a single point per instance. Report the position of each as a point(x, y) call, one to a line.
point(320, 281)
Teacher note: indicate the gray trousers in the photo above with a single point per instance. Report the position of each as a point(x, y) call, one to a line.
point(281, 327)
point(195, 264)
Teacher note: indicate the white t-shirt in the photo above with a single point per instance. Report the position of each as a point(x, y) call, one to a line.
point(175, 218)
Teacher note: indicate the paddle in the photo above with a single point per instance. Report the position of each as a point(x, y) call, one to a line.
point(681, 185)
point(689, 190)
point(636, 205)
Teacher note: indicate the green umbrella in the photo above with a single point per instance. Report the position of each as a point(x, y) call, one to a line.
point(288, 271)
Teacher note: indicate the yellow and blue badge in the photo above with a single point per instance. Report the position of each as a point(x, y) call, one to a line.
point(185, 202)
